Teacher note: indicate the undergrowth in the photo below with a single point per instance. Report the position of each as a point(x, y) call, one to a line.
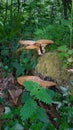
point(31, 115)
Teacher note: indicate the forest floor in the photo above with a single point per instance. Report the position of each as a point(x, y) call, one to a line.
point(10, 92)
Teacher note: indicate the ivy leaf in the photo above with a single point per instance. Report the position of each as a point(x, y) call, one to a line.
point(28, 109)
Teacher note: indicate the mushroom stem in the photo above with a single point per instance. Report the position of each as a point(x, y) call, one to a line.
point(41, 50)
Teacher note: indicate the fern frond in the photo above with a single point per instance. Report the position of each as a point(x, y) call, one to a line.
point(28, 109)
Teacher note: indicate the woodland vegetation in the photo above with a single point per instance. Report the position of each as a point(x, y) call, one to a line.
point(28, 106)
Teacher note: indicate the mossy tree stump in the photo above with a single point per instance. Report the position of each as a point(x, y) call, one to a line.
point(51, 65)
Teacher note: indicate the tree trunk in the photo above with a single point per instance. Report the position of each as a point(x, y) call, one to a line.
point(66, 6)
point(64, 2)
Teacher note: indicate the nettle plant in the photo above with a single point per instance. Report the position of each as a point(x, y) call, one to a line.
point(33, 96)
point(31, 114)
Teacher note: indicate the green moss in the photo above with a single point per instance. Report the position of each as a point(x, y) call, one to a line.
point(50, 65)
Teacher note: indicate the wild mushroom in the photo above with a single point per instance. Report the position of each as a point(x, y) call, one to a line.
point(26, 42)
point(34, 47)
point(42, 44)
point(42, 83)
point(38, 45)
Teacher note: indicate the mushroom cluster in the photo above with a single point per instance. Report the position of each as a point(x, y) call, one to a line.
point(38, 45)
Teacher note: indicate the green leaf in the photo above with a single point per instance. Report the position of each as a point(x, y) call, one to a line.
point(42, 116)
point(1, 100)
point(70, 52)
point(65, 22)
point(4, 52)
point(63, 123)
point(62, 48)
point(51, 93)
point(7, 116)
point(43, 96)
point(29, 85)
point(38, 92)
point(36, 126)
point(51, 127)
point(28, 109)
point(19, 68)
point(25, 96)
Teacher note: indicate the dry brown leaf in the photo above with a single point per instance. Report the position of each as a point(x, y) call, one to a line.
point(15, 94)
point(41, 82)
point(6, 82)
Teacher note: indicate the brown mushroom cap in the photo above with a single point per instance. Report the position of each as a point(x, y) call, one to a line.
point(43, 42)
point(30, 42)
point(27, 42)
point(41, 82)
